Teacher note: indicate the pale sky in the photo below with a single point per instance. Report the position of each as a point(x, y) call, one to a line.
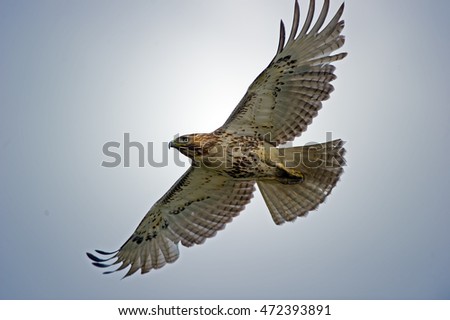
point(77, 74)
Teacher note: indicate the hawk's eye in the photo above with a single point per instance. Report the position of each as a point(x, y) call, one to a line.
point(183, 139)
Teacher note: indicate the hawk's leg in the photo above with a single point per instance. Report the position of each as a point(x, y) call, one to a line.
point(287, 175)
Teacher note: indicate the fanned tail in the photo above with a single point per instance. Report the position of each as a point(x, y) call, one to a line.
point(321, 165)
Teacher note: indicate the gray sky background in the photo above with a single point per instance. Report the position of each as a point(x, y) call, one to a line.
point(77, 74)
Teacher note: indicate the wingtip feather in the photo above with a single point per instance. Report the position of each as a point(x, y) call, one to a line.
point(282, 37)
point(95, 258)
point(105, 253)
point(295, 22)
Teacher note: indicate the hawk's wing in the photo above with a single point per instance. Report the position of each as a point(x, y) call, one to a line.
point(287, 95)
point(199, 204)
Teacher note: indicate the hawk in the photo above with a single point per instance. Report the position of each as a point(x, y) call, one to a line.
point(227, 163)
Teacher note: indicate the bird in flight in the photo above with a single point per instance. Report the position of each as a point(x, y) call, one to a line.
point(228, 162)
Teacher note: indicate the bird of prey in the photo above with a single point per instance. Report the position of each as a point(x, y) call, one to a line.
point(226, 163)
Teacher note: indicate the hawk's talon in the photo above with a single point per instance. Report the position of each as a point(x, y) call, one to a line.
point(289, 175)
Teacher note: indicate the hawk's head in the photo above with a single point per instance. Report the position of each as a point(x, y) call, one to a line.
point(194, 145)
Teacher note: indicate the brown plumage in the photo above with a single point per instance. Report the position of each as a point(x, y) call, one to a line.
point(278, 106)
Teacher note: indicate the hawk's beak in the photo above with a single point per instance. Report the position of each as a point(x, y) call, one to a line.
point(173, 144)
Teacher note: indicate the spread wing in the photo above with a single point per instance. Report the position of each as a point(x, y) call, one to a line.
point(287, 95)
point(199, 204)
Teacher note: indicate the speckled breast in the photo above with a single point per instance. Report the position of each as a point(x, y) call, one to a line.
point(241, 157)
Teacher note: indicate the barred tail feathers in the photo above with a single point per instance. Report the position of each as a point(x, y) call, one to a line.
point(321, 165)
